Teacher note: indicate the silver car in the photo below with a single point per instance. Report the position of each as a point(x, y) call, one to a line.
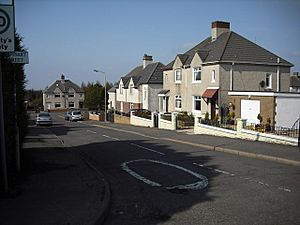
point(43, 118)
point(76, 116)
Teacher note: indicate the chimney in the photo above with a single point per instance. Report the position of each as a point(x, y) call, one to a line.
point(218, 28)
point(62, 78)
point(147, 59)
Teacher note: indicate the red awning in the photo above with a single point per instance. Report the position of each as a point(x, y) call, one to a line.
point(209, 93)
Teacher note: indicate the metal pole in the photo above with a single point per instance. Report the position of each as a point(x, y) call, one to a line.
point(3, 149)
point(18, 162)
point(105, 97)
point(298, 133)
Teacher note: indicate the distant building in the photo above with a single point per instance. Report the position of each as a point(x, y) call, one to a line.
point(295, 82)
point(63, 94)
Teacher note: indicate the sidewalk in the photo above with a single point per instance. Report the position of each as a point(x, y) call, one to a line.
point(59, 187)
point(254, 149)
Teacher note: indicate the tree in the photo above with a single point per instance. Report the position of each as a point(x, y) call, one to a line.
point(13, 78)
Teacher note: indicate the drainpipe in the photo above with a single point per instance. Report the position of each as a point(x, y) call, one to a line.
point(278, 75)
point(231, 77)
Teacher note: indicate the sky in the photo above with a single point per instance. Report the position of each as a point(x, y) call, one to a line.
point(73, 37)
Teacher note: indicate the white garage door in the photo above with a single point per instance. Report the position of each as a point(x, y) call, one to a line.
point(249, 110)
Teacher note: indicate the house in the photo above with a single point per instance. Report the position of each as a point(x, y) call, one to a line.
point(199, 81)
point(63, 94)
point(112, 97)
point(295, 82)
point(140, 87)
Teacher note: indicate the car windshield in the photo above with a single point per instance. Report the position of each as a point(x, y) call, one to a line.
point(76, 113)
point(43, 115)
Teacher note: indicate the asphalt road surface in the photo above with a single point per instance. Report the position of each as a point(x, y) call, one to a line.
point(155, 181)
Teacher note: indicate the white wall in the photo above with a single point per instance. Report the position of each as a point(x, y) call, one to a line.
point(287, 111)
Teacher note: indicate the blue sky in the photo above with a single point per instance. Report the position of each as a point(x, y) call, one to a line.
point(75, 36)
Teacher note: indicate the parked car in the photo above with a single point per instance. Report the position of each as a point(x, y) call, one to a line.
point(76, 116)
point(43, 118)
point(68, 114)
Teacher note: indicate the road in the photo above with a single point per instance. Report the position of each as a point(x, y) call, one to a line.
point(156, 181)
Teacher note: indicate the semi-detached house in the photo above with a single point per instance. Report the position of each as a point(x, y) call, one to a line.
point(205, 78)
point(140, 87)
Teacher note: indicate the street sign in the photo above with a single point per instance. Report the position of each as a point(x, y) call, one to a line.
point(19, 57)
point(7, 28)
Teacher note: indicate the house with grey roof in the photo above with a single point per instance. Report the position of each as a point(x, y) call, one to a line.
point(199, 81)
point(63, 94)
point(295, 82)
point(140, 87)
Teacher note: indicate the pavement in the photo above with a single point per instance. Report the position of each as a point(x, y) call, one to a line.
point(60, 187)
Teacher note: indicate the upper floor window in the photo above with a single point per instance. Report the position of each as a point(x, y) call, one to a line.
point(178, 101)
point(213, 76)
point(178, 76)
point(268, 80)
point(131, 89)
point(197, 103)
point(197, 74)
point(57, 95)
point(121, 89)
point(57, 105)
point(71, 95)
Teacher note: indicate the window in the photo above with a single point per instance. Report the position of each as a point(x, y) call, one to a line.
point(197, 103)
point(71, 105)
point(145, 93)
point(131, 105)
point(178, 101)
point(196, 74)
point(178, 76)
point(57, 95)
point(213, 76)
point(71, 95)
point(268, 80)
point(131, 89)
point(57, 105)
point(121, 89)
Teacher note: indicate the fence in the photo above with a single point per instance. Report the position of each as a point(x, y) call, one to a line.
point(230, 125)
point(267, 128)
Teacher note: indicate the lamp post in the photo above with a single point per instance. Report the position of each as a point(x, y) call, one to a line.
point(100, 71)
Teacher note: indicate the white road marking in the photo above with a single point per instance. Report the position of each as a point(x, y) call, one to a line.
point(61, 116)
point(113, 138)
point(193, 186)
point(245, 178)
point(216, 170)
point(91, 131)
point(148, 149)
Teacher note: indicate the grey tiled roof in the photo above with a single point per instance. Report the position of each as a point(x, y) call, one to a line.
point(63, 86)
point(295, 81)
point(152, 74)
point(113, 88)
point(230, 47)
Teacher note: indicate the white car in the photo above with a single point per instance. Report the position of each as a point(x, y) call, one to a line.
point(43, 118)
point(76, 116)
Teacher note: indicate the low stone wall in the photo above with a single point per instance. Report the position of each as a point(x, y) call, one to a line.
point(211, 130)
point(122, 119)
point(139, 121)
point(96, 117)
point(257, 136)
point(243, 133)
point(166, 124)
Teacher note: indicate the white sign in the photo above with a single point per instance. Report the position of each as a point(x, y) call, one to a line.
point(7, 28)
point(19, 57)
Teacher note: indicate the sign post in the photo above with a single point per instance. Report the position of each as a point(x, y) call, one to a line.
point(7, 44)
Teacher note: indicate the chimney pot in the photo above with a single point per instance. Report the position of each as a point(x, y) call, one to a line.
point(218, 28)
point(147, 59)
